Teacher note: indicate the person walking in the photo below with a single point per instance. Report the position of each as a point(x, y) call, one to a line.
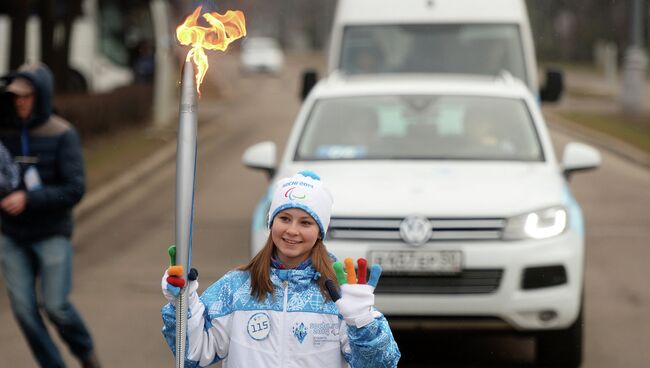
point(281, 309)
point(35, 243)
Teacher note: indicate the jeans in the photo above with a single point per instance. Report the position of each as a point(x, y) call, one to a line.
point(50, 260)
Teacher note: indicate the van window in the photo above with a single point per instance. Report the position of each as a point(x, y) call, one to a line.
point(433, 48)
point(111, 34)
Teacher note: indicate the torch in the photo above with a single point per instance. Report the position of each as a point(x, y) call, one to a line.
point(185, 180)
point(222, 30)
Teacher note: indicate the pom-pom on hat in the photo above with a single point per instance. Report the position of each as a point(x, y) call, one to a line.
point(306, 191)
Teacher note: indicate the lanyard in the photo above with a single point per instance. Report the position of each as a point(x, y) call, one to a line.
point(24, 140)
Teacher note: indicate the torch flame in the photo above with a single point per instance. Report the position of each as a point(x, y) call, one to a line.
point(223, 30)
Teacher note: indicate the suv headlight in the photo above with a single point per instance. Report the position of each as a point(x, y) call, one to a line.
point(540, 224)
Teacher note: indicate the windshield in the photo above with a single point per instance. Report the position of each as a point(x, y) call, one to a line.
point(433, 48)
point(419, 127)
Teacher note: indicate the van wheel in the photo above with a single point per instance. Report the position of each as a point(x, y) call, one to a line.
point(75, 82)
point(561, 348)
point(309, 80)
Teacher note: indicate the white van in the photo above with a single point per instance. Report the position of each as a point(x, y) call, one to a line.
point(98, 59)
point(437, 36)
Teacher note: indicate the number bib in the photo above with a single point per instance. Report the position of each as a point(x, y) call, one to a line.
point(259, 326)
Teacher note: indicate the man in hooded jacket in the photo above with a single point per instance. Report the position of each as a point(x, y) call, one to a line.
point(36, 218)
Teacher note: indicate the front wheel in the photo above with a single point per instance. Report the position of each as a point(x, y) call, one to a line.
point(561, 348)
point(76, 82)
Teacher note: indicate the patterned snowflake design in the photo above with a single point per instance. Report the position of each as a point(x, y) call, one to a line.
point(300, 332)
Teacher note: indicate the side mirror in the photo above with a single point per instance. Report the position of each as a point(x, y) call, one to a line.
point(579, 157)
point(554, 86)
point(309, 79)
point(261, 156)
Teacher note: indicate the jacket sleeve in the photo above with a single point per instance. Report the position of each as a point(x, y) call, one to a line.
point(206, 341)
point(371, 346)
point(70, 170)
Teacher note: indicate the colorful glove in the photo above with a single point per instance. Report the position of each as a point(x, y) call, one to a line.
point(172, 283)
point(357, 298)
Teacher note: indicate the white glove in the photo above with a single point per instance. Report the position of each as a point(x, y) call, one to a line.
point(357, 298)
point(171, 292)
point(172, 281)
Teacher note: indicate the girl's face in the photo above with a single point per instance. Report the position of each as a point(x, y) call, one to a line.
point(294, 233)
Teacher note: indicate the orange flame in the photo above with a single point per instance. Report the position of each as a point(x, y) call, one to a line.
point(223, 30)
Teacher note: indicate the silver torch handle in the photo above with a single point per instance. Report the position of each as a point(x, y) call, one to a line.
point(185, 184)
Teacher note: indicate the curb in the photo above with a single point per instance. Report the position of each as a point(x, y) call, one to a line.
point(596, 138)
point(94, 199)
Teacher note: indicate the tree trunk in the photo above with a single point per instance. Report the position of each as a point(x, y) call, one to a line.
point(56, 28)
point(49, 42)
point(19, 12)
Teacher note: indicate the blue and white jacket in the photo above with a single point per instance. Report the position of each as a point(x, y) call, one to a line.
point(295, 328)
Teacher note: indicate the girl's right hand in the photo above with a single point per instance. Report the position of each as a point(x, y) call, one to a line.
point(172, 282)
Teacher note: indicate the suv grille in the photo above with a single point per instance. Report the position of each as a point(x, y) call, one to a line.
point(473, 281)
point(442, 229)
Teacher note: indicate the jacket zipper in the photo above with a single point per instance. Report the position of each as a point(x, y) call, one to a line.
point(285, 284)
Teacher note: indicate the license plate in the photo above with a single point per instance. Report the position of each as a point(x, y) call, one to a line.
point(419, 261)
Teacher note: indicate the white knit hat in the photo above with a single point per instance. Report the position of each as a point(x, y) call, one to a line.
point(306, 191)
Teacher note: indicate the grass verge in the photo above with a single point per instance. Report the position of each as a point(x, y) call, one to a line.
point(108, 156)
point(634, 130)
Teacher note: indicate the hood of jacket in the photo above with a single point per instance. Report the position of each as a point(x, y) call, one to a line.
point(40, 76)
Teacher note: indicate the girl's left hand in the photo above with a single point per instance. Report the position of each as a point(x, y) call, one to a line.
point(357, 298)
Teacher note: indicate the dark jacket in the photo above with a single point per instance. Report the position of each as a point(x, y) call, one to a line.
point(55, 147)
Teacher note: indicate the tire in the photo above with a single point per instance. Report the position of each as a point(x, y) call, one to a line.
point(76, 82)
point(309, 80)
point(561, 348)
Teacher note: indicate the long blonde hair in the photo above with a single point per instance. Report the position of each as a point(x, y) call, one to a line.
point(260, 267)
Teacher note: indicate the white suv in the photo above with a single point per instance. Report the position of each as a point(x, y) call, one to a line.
point(452, 185)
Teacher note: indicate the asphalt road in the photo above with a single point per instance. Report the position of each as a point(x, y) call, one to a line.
point(121, 246)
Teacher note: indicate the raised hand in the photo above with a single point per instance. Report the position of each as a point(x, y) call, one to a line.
point(172, 282)
point(356, 299)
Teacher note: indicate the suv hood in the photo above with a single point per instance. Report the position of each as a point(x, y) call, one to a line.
point(459, 189)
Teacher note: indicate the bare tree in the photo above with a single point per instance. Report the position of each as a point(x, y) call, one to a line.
point(578, 25)
point(56, 27)
point(19, 12)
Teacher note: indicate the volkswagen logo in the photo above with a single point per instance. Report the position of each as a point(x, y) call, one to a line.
point(415, 230)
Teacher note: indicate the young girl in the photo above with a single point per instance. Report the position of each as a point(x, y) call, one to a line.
point(276, 311)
